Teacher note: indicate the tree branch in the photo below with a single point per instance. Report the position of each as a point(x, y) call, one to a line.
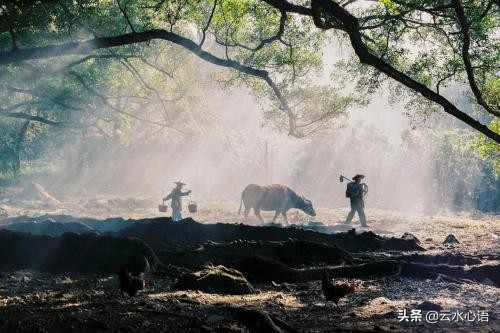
point(352, 27)
point(145, 86)
point(204, 31)
point(104, 99)
point(122, 9)
point(290, 7)
point(263, 42)
point(37, 94)
point(20, 115)
point(276, 37)
point(13, 37)
point(459, 10)
point(87, 46)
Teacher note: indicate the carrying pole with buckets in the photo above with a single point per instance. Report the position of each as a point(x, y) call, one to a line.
point(176, 203)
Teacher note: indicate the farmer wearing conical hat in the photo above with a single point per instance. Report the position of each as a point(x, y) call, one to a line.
point(176, 196)
point(355, 193)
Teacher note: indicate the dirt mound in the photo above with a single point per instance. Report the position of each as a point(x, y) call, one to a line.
point(451, 239)
point(263, 269)
point(108, 225)
point(258, 268)
point(448, 258)
point(216, 280)
point(162, 233)
point(48, 228)
point(71, 252)
point(292, 252)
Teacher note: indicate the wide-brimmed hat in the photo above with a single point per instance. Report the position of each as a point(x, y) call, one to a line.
point(358, 176)
point(179, 183)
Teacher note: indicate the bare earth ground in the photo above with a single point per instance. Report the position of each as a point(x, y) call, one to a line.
point(39, 302)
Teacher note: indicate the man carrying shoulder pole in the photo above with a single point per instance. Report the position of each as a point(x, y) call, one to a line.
point(355, 192)
point(176, 196)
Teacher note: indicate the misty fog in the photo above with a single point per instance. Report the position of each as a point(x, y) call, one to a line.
point(220, 162)
point(232, 146)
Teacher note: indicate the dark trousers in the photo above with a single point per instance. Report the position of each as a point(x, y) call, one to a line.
point(357, 205)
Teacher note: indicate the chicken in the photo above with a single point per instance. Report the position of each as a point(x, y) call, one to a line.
point(335, 291)
point(132, 276)
point(129, 283)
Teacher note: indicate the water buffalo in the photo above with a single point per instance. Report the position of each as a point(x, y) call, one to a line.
point(277, 197)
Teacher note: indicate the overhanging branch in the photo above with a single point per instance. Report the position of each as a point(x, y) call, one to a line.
point(352, 28)
point(88, 46)
point(459, 10)
point(20, 115)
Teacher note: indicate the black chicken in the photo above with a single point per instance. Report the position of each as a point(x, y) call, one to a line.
point(335, 291)
point(132, 277)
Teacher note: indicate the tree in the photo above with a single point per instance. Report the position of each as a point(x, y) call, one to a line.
point(389, 37)
point(291, 54)
point(272, 40)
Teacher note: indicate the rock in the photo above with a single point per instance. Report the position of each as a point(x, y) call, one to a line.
point(408, 236)
point(216, 279)
point(429, 306)
point(451, 239)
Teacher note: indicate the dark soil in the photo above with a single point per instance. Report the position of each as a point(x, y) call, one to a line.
point(162, 234)
point(71, 252)
point(75, 286)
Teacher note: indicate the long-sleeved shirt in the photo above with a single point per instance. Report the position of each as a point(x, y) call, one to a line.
point(355, 189)
point(176, 196)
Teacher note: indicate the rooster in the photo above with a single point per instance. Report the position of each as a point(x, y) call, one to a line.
point(335, 291)
point(132, 277)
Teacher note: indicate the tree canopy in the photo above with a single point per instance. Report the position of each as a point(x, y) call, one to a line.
point(416, 48)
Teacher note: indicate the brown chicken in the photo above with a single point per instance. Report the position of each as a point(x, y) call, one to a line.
point(130, 283)
point(335, 291)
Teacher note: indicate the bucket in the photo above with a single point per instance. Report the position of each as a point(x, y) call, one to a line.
point(162, 207)
point(192, 207)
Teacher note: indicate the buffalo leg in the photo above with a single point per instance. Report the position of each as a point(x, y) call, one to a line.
point(284, 216)
point(247, 211)
point(257, 213)
point(276, 216)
